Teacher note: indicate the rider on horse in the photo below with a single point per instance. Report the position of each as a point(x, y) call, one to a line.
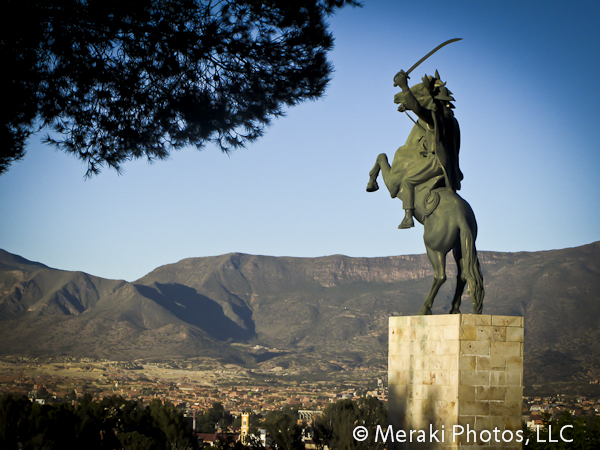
point(436, 136)
point(425, 175)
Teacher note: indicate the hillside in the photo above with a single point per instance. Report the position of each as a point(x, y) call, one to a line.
point(318, 313)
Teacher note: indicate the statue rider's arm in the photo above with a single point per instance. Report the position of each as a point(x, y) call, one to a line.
point(409, 100)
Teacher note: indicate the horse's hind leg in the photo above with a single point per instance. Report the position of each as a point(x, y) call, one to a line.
point(438, 261)
point(461, 281)
point(372, 186)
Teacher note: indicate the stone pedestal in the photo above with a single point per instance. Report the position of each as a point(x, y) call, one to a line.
point(453, 373)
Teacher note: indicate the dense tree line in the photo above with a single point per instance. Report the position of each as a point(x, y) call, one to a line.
point(112, 422)
point(115, 80)
point(116, 423)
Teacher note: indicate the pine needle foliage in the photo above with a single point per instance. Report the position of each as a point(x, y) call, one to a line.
point(114, 80)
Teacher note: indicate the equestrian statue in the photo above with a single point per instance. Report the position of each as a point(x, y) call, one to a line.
point(425, 175)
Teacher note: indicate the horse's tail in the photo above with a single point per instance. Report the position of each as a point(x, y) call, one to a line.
point(471, 268)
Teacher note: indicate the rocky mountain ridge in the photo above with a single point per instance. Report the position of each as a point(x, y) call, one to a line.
point(313, 310)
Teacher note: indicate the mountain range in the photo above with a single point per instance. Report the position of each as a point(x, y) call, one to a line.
point(317, 313)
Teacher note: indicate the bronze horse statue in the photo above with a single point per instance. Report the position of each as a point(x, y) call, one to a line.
point(448, 220)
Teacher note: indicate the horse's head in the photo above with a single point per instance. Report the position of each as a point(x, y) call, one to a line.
point(421, 93)
point(432, 88)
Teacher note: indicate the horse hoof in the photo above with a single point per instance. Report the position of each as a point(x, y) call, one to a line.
point(425, 312)
point(454, 311)
point(372, 187)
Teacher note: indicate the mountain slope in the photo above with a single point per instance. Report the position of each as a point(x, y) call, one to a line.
point(333, 308)
point(49, 312)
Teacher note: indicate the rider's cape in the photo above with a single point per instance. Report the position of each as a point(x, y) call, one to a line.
point(445, 137)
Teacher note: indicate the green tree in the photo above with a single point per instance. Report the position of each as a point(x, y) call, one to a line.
point(335, 427)
point(284, 430)
point(135, 440)
point(14, 413)
point(116, 80)
point(172, 425)
point(42, 393)
point(215, 417)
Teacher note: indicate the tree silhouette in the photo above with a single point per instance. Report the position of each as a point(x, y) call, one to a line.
point(335, 427)
point(112, 422)
point(116, 80)
point(283, 428)
point(216, 416)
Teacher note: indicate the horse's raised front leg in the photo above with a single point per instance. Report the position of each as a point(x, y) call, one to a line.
point(461, 281)
point(438, 261)
point(372, 186)
point(390, 178)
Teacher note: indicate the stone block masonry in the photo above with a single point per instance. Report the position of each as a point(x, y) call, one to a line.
point(460, 374)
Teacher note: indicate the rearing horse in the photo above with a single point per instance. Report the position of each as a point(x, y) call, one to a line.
point(448, 221)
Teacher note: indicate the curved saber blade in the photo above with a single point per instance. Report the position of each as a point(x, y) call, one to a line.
point(431, 53)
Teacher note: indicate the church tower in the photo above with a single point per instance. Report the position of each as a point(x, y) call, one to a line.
point(245, 427)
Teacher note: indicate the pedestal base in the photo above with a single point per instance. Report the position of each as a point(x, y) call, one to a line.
point(459, 374)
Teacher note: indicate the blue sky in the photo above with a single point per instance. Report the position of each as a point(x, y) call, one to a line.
point(525, 79)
